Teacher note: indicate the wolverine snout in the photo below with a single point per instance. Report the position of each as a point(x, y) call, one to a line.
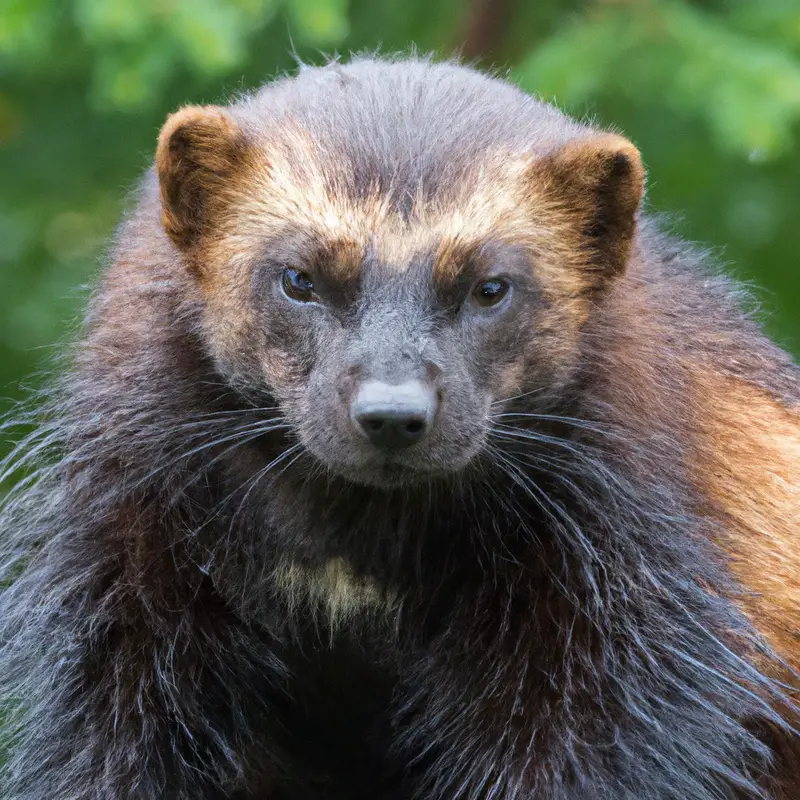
point(394, 416)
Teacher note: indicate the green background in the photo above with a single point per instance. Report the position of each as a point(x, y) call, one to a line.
point(709, 91)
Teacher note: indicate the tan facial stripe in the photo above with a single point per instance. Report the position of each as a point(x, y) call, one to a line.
point(341, 259)
point(290, 185)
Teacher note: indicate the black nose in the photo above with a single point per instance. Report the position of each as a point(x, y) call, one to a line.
point(393, 415)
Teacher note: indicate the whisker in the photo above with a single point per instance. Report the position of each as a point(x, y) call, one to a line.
point(517, 396)
point(203, 470)
point(222, 505)
point(596, 427)
point(580, 450)
point(254, 480)
point(238, 411)
point(251, 432)
point(509, 434)
point(515, 475)
point(531, 484)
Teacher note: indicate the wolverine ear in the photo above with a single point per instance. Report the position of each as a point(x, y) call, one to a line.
point(200, 150)
point(597, 182)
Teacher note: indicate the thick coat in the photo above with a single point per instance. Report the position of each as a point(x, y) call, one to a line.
point(584, 583)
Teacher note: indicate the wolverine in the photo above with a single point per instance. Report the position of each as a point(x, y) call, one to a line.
point(403, 455)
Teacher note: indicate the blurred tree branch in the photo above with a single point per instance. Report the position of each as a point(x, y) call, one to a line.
point(483, 29)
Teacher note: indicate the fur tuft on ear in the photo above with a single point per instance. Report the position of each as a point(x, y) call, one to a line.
point(200, 150)
point(598, 182)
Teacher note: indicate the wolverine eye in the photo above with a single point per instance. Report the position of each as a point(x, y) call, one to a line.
point(491, 292)
point(297, 285)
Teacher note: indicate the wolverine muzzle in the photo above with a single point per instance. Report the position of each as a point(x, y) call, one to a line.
point(394, 416)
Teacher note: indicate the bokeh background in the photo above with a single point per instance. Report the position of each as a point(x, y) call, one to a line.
point(708, 89)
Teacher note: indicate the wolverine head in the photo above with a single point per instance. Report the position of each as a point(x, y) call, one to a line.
point(391, 250)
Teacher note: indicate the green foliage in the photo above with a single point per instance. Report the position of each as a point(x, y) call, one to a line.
point(744, 89)
point(709, 90)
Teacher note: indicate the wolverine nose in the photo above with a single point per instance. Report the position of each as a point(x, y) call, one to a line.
point(393, 415)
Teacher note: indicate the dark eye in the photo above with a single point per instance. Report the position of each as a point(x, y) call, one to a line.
point(491, 292)
point(297, 285)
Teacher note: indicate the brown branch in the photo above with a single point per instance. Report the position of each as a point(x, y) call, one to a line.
point(483, 28)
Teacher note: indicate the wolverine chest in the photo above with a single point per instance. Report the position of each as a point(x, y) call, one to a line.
point(333, 591)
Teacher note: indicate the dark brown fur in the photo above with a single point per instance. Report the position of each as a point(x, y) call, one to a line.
point(213, 590)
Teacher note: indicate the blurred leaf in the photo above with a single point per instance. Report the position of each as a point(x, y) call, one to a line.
point(319, 21)
point(746, 92)
point(10, 121)
point(212, 34)
point(772, 21)
point(26, 26)
point(128, 78)
point(104, 21)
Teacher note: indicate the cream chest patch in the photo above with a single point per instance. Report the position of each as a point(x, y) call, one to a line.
point(334, 589)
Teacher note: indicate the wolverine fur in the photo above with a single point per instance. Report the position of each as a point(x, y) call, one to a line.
point(209, 594)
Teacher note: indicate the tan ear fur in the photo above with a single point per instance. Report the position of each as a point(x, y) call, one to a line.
point(200, 150)
point(597, 182)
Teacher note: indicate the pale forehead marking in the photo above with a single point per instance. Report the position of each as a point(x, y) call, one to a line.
point(294, 189)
